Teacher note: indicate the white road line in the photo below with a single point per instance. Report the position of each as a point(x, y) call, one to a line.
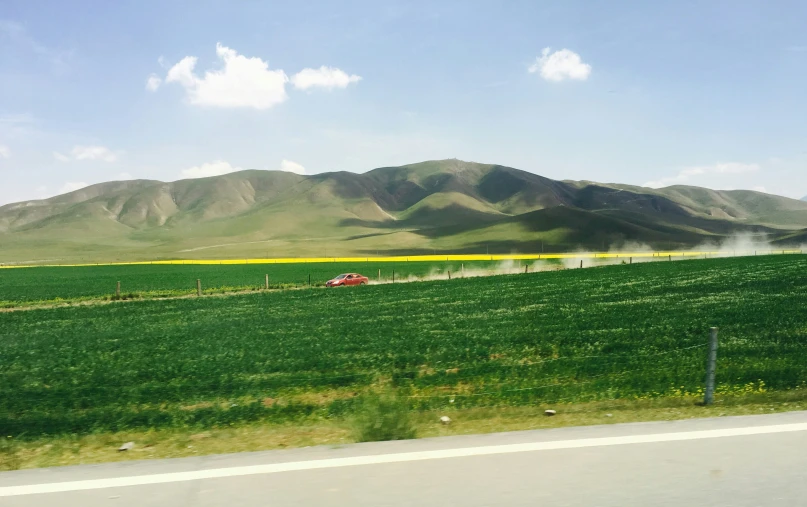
point(141, 480)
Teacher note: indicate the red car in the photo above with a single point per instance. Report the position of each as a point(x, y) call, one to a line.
point(348, 279)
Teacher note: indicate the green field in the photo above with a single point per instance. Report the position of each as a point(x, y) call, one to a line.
point(617, 332)
point(49, 284)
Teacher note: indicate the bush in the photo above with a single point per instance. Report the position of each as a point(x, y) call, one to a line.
point(9, 457)
point(383, 417)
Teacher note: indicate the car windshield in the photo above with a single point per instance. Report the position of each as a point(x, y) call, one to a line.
point(340, 277)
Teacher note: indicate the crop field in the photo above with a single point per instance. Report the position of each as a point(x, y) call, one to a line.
point(623, 331)
point(47, 284)
point(25, 286)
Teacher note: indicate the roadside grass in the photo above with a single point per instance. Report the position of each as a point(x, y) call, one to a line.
point(178, 443)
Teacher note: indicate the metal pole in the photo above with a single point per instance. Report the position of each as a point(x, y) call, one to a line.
point(117, 290)
point(198, 287)
point(711, 366)
point(267, 281)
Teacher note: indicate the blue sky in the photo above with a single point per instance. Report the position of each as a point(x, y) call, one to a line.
point(691, 92)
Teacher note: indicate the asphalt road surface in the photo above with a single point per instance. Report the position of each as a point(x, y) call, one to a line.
point(728, 461)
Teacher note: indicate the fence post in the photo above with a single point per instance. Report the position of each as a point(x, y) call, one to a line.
point(449, 275)
point(198, 287)
point(631, 260)
point(266, 285)
point(309, 279)
point(526, 266)
point(581, 264)
point(393, 276)
point(117, 290)
point(379, 275)
point(711, 366)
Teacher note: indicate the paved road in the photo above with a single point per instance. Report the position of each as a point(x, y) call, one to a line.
point(729, 461)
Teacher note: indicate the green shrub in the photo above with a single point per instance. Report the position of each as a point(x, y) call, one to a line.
point(383, 416)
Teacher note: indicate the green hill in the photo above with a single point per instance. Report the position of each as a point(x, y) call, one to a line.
point(447, 206)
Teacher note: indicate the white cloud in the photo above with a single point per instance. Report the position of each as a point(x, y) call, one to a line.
point(14, 127)
point(760, 189)
point(153, 82)
point(72, 186)
point(18, 35)
point(87, 153)
point(93, 153)
point(182, 72)
point(17, 119)
point(5, 151)
point(323, 77)
point(215, 168)
point(734, 168)
point(124, 176)
point(291, 167)
point(686, 174)
point(560, 65)
point(242, 82)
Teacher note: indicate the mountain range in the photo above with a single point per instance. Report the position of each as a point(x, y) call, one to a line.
point(436, 206)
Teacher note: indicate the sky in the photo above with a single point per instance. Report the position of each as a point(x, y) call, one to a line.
point(706, 93)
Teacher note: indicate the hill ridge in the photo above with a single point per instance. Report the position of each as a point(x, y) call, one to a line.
point(450, 205)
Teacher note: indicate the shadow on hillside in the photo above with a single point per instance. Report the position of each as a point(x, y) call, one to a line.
point(491, 248)
point(572, 228)
point(428, 218)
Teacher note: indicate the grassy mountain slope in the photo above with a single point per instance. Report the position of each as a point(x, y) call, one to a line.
point(446, 205)
point(734, 205)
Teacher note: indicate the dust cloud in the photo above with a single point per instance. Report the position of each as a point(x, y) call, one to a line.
point(738, 245)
